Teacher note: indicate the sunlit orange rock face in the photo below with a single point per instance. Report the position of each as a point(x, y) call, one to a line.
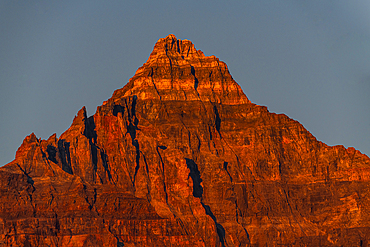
point(180, 157)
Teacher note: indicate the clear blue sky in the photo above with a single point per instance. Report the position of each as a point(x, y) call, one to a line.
point(307, 59)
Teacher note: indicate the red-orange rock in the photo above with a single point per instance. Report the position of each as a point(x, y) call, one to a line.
point(180, 157)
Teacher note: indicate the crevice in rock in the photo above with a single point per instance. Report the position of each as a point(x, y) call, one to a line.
point(131, 129)
point(117, 109)
point(104, 158)
point(188, 52)
point(146, 163)
point(196, 82)
point(199, 142)
point(211, 141)
point(94, 156)
point(327, 175)
point(137, 157)
point(198, 192)
point(89, 130)
point(195, 176)
point(119, 243)
point(57, 224)
point(91, 135)
point(95, 195)
point(210, 132)
point(225, 167)
point(133, 107)
point(52, 199)
point(178, 46)
point(52, 152)
point(29, 179)
point(93, 199)
point(280, 168)
point(217, 119)
point(155, 87)
point(133, 120)
point(220, 229)
point(46, 160)
point(31, 182)
point(148, 177)
point(163, 174)
point(65, 156)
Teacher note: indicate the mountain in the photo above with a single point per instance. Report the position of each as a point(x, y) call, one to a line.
point(180, 157)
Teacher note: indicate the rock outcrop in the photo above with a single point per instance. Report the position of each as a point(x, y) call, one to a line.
point(180, 157)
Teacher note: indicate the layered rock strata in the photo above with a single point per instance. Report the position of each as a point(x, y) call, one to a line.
point(180, 157)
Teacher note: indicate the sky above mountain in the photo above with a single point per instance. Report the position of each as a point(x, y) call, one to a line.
point(307, 59)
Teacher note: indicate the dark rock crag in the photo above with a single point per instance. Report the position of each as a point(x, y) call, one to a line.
point(180, 157)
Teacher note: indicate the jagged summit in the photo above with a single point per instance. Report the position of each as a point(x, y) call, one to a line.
point(180, 157)
point(175, 70)
point(174, 48)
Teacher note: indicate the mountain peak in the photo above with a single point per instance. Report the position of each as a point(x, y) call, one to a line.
point(179, 156)
point(176, 70)
point(174, 48)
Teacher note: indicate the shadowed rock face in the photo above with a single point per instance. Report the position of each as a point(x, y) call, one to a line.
point(180, 157)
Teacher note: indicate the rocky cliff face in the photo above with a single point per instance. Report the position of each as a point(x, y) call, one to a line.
point(180, 157)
